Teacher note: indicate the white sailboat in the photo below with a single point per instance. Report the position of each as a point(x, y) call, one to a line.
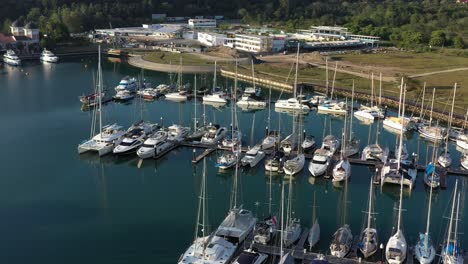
point(206, 249)
point(320, 162)
point(295, 164)
point(375, 151)
point(464, 161)
point(430, 131)
point(445, 160)
point(181, 94)
point(293, 104)
point(314, 232)
point(395, 251)
point(292, 230)
point(396, 124)
point(214, 134)
point(451, 251)
point(370, 113)
point(333, 106)
point(198, 131)
point(352, 143)
point(251, 96)
point(109, 136)
point(424, 250)
point(342, 170)
point(368, 244)
point(343, 238)
point(217, 96)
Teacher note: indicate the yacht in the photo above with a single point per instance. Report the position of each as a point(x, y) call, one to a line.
point(237, 225)
point(251, 97)
point(219, 97)
point(48, 56)
point(293, 231)
point(153, 144)
point(435, 133)
point(275, 163)
point(395, 124)
point(209, 250)
point(368, 113)
point(176, 133)
point(228, 159)
point(232, 139)
point(271, 140)
point(249, 256)
point(92, 100)
point(318, 100)
point(320, 162)
point(369, 241)
point(342, 242)
point(424, 250)
point(451, 250)
point(337, 108)
point(351, 148)
point(214, 134)
point(253, 156)
point(375, 152)
point(134, 138)
point(294, 165)
point(127, 83)
point(149, 93)
point(11, 58)
point(462, 142)
point(331, 144)
point(342, 170)
point(396, 248)
point(308, 143)
point(392, 170)
point(104, 142)
point(123, 96)
point(178, 96)
point(265, 230)
point(445, 160)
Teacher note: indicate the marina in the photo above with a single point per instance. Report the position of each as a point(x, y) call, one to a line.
point(121, 200)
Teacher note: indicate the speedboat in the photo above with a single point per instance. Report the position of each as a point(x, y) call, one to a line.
point(232, 139)
point(218, 97)
point(209, 250)
point(123, 96)
point(391, 174)
point(152, 145)
point(331, 144)
point(92, 100)
point(308, 143)
point(435, 133)
point(366, 114)
point(271, 140)
point(104, 142)
point(275, 163)
point(249, 256)
point(291, 104)
point(48, 56)
point(253, 156)
point(342, 170)
point(265, 230)
point(214, 134)
point(342, 242)
point(163, 88)
point(134, 138)
point(375, 152)
point(294, 165)
point(320, 162)
point(292, 233)
point(318, 100)
point(149, 93)
point(228, 159)
point(237, 225)
point(127, 83)
point(337, 108)
point(11, 58)
point(177, 133)
point(445, 160)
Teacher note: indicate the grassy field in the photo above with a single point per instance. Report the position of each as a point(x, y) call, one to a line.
point(174, 58)
point(409, 62)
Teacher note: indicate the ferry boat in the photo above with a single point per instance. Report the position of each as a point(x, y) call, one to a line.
point(11, 58)
point(48, 56)
point(127, 83)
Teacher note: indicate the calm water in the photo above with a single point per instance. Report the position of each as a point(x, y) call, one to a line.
point(59, 207)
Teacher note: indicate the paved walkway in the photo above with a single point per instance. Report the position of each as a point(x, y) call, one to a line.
point(437, 72)
point(139, 62)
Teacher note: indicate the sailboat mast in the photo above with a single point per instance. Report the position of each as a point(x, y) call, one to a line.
point(201, 207)
point(282, 220)
point(195, 104)
point(432, 105)
point(253, 73)
point(326, 73)
point(400, 146)
point(422, 102)
point(372, 89)
point(214, 78)
point(429, 215)
point(450, 118)
point(449, 235)
point(333, 82)
point(351, 116)
point(100, 90)
point(297, 67)
point(399, 102)
point(380, 91)
point(369, 211)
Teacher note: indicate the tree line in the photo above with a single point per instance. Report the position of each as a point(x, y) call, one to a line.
point(405, 23)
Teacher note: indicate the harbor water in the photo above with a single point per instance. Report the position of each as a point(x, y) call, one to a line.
point(60, 207)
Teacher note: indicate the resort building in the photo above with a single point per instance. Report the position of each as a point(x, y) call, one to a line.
point(210, 39)
point(201, 23)
point(327, 33)
point(156, 31)
point(253, 43)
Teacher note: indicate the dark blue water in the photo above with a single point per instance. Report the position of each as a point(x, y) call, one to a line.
point(59, 207)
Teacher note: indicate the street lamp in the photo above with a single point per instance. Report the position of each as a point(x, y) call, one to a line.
point(381, 253)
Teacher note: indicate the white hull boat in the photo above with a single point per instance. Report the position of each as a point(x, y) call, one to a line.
point(214, 134)
point(11, 58)
point(209, 250)
point(395, 251)
point(390, 173)
point(375, 152)
point(337, 108)
point(342, 171)
point(294, 165)
point(445, 160)
point(253, 156)
point(152, 145)
point(48, 56)
point(271, 140)
point(320, 162)
point(342, 242)
point(104, 142)
point(177, 133)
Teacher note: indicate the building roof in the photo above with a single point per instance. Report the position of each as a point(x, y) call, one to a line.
point(5, 38)
point(17, 23)
point(30, 25)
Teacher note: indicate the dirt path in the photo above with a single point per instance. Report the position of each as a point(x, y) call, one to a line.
point(139, 62)
point(437, 72)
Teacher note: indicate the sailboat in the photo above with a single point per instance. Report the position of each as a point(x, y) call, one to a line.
point(373, 112)
point(293, 103)
point(198, 131)
point(444, 159)
point(375, 151)
point(424, 250)
point(207, 249)
point(451, 251)
point(464, 161)
point(430, 131)
point(395, 251)
point(273, 137)
point(399, 171)
point(460, 135)
point(182, 93)
point(334, 106)
point(343, 237)
point(314, 232)
point(293, 229)
point(109, 136)
point(235, 137)
point(251, 96)
point(217, 96)
point(295, 164)
point(322, 156)
point(342, 170)
point(352, 143)
point(368, 244)
point(395, 124)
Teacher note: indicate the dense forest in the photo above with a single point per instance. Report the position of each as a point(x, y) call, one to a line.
point(404, 23)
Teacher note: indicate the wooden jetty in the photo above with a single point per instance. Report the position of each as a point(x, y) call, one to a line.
point(205, 153)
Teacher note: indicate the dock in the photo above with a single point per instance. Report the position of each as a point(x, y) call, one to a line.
point(205, 153)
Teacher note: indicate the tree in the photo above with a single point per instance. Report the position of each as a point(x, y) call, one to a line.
point(437, 38)
point(6, 25)
point(458, 42)
point(34, 14)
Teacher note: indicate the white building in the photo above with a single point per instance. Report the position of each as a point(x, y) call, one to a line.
point(327, 33)
point(202, 23)
point(253, 43)
point(210, 39)
point(157, 31)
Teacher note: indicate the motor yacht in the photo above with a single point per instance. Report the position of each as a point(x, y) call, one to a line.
point(177, 133)
point(228, 159)
point(178, 96)
point(291, 104)
point(337, 108)
point(435, 133)
point(309, 143)
point(134, 138)
point(48, 56)
point(11, 58)
point(217, 97)
point(123, 96)
point(265, 230)
point(237, 225)
point(320, 162)
point(253, 156)
point(214, 134)
point(375, 152)
point(331, 144)
point(251, 97)
point(128, 84)
point(153, 144)
point(445, 160)
point(395, 124)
